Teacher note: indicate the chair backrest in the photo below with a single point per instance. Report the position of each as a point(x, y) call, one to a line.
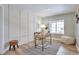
point(38, 35)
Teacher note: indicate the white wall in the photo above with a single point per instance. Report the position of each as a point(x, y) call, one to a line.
point(18, 24)
point(13, 22)
point(1, 28)
point(6, 23)
point(68, 22)
point(22, 24)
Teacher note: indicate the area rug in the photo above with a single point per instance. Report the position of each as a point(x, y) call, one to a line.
point(38, 51)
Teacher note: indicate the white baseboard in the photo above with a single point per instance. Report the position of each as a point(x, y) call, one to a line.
point(4, 50)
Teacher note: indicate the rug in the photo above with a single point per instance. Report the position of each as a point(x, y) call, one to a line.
point(38, 51)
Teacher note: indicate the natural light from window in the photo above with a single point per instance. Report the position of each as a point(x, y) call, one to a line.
point(57, 26)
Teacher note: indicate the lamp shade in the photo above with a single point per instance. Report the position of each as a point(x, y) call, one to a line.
point(42, 26)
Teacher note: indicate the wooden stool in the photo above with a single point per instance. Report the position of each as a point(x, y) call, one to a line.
point(13, 43)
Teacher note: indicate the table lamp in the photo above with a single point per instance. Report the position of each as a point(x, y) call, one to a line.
point(42, 26)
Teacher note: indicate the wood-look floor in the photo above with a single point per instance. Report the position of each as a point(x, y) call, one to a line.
point(62, 50)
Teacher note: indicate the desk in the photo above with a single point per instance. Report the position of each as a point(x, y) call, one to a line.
point(42, 37)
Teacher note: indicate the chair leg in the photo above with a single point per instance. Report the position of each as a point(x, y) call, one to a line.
point(50, 40)
point(35, 43)
point(42, 45)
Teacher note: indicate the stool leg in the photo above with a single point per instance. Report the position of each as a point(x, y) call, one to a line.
point(17, 46)
point(9, 47)
point(14, 47)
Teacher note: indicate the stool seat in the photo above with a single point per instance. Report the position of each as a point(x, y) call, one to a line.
point(13, 43)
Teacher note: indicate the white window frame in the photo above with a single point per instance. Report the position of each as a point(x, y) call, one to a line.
point(50, 25)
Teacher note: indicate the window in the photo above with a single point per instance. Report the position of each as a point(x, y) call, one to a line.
point(53, 28)
point(57, 26)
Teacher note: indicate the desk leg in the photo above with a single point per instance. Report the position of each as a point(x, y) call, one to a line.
point(42, 45)
point(50, 40)
point(35, 43)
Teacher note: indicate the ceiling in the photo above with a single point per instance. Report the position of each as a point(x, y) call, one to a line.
point(44, 10)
